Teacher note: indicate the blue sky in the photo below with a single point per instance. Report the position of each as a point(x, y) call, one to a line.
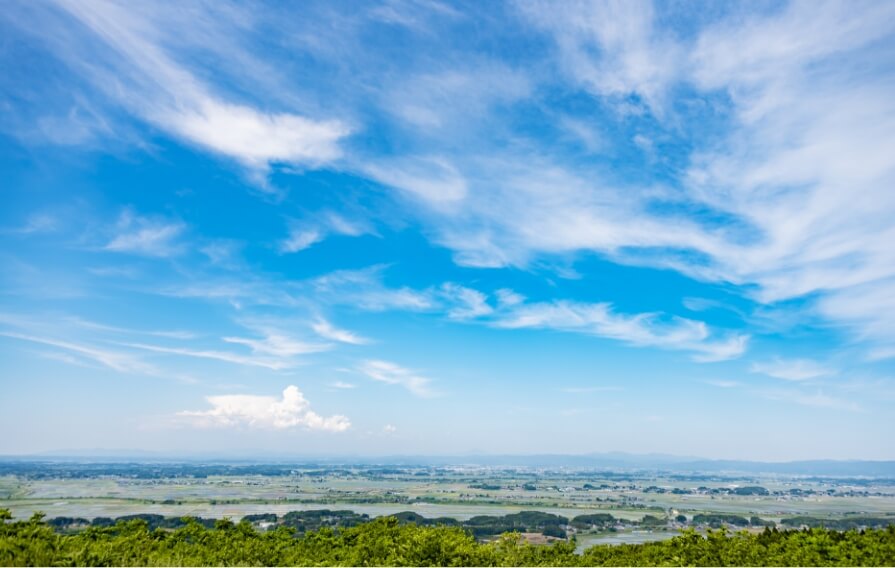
point(415, 227)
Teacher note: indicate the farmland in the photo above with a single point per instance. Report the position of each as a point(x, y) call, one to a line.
point(643, 505)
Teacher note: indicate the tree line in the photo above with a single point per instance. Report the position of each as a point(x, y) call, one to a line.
point(387, 542)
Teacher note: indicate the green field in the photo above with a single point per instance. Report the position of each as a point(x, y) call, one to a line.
point(459, 493)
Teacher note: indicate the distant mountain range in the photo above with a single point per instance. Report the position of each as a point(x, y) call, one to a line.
point(606, 461)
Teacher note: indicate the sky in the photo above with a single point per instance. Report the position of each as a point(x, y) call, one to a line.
point(414, 227)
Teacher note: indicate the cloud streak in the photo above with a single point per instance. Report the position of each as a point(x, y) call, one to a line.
point(326, 330)
point(145, 236)
point(151, 83)
point(392, 374)
point(644, 330)
point(793, 369)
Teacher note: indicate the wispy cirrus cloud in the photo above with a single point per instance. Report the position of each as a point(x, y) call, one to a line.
point(271, 348)
point(144, 51)
point(147, 236)
point(306, 233)
point(585, 390)
point(37, 223)
point(393, 374)
point(365, 289)
point(327, 330)
point(815, 399)
point(724, 384)
point(274, 364)
point(795, 229)
point(464, 303)
point(113, 359)
point(292, 410)
point(644, 329)
point(94, 352)
point(793, 369)
point(432, 179)
point(612, 49)
point(278, 345)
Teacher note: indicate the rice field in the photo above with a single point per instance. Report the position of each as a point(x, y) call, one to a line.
point(458, 494)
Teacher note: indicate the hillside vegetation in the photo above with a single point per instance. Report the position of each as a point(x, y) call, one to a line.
point(387, 542)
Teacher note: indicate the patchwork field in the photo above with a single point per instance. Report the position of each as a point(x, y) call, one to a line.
point(461, 493)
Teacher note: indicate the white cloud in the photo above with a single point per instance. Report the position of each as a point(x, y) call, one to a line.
point(521, 206)
point(300, 239)
point(389, 429)
point(365, 289)
point(868, 310)
point(342, 385)
point(254, 138)
point(304, 234)
point(584, 390)
point(327, 330)
point(223, 253)
point(413, 14)
point(508, 298)
point(151, 83)
point(265, 412)
point(802, 172)
point(279, 345)
point(274, 364)
point(793, 369)
point(612, 48)
point(37, 223)
point(817, 399)
point(587, 134)
point(807, 161)
point(145, 236)
point(645, 329)
point(449, 99)
point(464, 303)
point(393, 374)
point(115, 360)
point(724, 384)
point(432, 179)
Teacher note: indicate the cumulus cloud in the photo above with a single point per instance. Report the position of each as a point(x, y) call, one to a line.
point(292, 410)
point(393, 374)
point(793, 369)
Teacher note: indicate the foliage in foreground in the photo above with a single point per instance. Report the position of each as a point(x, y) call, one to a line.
point(386, 542)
